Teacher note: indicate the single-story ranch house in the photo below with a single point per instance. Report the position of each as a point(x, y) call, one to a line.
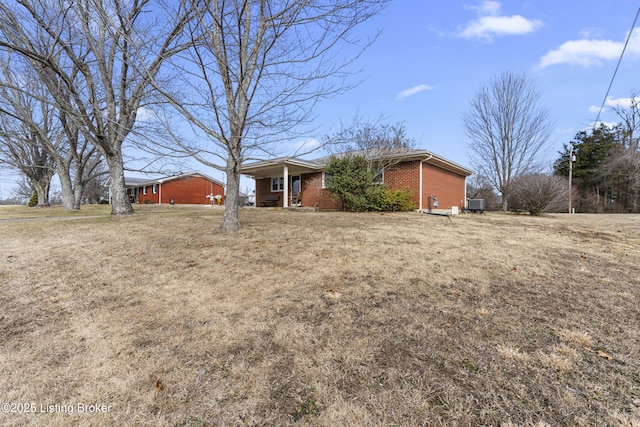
point(436, 182)
point(193, 188)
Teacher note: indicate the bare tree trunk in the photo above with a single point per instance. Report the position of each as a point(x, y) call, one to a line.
point(42, 186)
point(231, 220)
point(120, 204)
point(68, 202)
point(78, 191)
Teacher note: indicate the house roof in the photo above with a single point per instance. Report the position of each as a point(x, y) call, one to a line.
point(273, 167)
point(143, 182)
point(266, 168)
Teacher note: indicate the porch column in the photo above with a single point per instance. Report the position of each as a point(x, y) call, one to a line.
point(285, 201)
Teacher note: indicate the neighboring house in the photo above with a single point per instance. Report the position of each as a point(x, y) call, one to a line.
point(190, 188)
point(435, 182)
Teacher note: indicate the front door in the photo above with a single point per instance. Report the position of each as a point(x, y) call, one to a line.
point(295, 189)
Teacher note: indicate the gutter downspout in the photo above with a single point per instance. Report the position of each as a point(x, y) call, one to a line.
point(422, 161)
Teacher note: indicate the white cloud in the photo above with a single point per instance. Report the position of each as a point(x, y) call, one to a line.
point(490, 23)
point(307, 144)
point(611, 102)
point(594, 109)
point(146, 115)
point(487, 7)
point(619, 102)
point(412, 91)
point(590, 52)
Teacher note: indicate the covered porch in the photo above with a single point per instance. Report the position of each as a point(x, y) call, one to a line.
point(281, 182)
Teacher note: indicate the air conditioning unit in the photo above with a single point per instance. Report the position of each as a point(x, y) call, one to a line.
point(475, 205)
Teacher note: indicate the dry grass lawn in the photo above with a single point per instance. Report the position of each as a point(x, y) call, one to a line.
point(318, 319)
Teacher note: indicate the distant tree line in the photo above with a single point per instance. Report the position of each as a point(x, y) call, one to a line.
point(508, 131)
point(606, 170)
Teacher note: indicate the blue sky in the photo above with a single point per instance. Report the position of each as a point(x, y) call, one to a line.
point(433, 57)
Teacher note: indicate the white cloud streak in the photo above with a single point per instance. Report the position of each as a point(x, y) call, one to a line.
point(412, 91)
point(491, 23)
point(591, 52)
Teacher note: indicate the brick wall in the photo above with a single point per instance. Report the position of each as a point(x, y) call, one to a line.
point(314, 195)
point(144, 197)
point(447, 186)
point(188, 190)
point(263, 189)
point(311, 187)
point(404, 176)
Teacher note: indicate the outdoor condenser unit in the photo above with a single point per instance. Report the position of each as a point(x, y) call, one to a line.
point(475, 205)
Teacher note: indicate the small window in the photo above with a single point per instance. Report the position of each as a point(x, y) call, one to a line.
point(144, 190)
point(277, 184)
point(154, 189)
point(324, 179)
point(379, 177)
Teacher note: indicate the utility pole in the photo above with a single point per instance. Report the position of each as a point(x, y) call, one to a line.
point(572, 159)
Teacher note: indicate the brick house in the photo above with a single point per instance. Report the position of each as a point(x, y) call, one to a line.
point(190, 188)
point(435, 182)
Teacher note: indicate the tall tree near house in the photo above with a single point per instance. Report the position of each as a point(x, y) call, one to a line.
point(97, 60)
point(508, 129)
point(256, 71)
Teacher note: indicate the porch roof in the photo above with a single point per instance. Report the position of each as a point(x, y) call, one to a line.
point(273, 167)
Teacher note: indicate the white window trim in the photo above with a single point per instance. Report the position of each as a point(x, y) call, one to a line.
point(324, 180)
point(154, 189)
point(280, 182)
point(144, 190)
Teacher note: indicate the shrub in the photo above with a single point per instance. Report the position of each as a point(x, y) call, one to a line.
point(538, 194)
point(33, 201)
point(352, 184)
point(396, 201)
point(148, 202)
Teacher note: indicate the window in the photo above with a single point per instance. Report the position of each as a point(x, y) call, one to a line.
point(277, 184)
point(144, 190)
point(378, 178)
point(324, 179)
point(154, 189)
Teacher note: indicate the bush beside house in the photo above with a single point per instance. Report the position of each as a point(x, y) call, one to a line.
point(354, 185)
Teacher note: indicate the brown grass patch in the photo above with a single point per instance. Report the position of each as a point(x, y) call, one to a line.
point(314, 318)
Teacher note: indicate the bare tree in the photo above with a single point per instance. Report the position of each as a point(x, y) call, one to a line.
point(508, 129)
point(26, 126)
point(97, 60)
point(27, 100)
point(622, 168)
point(479, 187)
point(256, 71)
point(379, 142)
point(21, 149)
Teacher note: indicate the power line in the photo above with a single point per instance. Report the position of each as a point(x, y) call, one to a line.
point(633, 26)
